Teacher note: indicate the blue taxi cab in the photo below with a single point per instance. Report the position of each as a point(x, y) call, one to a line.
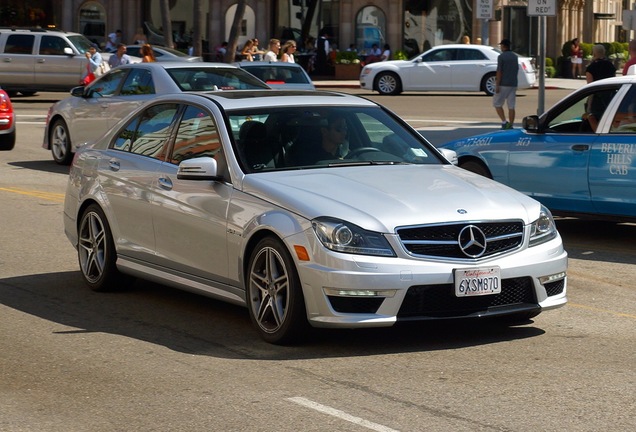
point(578, 158)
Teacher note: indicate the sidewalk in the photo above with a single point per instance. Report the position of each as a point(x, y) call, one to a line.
point(550, 83)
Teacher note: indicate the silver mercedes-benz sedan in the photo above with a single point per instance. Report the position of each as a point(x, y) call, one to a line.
point(309, 208)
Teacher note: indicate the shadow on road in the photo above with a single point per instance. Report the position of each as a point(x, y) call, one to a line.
point(595, 240)
point(199, 325)
point(45, 165)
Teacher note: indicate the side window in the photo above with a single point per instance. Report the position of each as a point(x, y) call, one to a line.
point(197, 136)
point(52, 45)
point(139, 81)
point(148, 134)
point(154, 130)
point(470, 54)
point(570, 117)
point(439, 55)
point(624, 121)
point(19, 44)
point(108, 84)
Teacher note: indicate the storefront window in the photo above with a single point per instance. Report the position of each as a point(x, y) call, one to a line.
point(92, 22)
point(430, 23)
point(370, 28)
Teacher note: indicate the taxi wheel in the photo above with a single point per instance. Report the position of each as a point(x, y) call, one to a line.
point(60, 141)
point(274, 294)
point(476, 167)
point(96, 252)
point(388, 83)
point(489, 84)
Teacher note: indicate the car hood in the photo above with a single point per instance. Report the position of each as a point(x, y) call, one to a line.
point(380, 198)
point(381, 64)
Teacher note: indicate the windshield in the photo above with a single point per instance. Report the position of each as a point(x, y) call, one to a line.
point(206, 79)
point(81, 43)
point(271, 139)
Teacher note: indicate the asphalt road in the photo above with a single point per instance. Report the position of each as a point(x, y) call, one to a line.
point(157, 359)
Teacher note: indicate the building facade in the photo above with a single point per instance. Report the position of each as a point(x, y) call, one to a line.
point(408, 25)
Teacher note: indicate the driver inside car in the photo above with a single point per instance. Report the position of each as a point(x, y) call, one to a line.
point(332, 144)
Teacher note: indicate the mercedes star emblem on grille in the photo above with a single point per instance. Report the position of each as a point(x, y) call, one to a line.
point(472, 241)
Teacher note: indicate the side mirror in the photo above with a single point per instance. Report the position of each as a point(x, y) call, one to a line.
point(200, 168)
point(450, 155)
point(531, 123)
point(68, 51)
point(77, 91)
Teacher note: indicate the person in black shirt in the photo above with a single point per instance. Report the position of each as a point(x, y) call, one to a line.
point(600, 67)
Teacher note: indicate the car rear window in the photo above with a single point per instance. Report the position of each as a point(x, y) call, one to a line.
point(207, 79)
point(278, 74)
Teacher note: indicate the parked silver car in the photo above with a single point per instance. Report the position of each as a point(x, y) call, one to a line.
point(163, 54)
point(90, 111)
point(41, 60)
point(307, 208)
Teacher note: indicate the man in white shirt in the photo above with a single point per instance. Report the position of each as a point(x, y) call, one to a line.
point(274, 48)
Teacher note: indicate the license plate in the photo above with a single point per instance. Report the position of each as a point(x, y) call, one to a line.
point(477, 281)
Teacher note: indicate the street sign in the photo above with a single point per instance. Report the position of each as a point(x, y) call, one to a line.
point(542, 8)
point(484, 9)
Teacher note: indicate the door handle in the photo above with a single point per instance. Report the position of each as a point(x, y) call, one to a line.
point(165, 183)
point(580, 147)
point(114, 165)
point(41, 60)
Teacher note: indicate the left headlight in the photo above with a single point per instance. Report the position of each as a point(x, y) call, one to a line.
point(542, 229)
point(341, 236)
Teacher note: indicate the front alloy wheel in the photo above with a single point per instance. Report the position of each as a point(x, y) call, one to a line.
point(388, 83)
point(274, 294)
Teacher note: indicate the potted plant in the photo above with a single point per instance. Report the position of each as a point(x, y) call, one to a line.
point(347, 65)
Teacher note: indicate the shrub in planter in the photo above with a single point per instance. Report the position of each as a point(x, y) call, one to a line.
point(550, 71)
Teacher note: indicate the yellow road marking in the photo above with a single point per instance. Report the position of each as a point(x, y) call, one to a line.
point(56, 197)
point(591, 308)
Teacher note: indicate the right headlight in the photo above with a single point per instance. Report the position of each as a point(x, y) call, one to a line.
point(543, 229)
point(341, 236)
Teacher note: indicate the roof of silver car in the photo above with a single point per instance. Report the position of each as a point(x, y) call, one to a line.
point(241, 99)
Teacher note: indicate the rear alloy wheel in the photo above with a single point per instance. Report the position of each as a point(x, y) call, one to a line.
point(96, 252)
point(388, 83)
point(489, 84)
point(274, 293)
point(60, 141)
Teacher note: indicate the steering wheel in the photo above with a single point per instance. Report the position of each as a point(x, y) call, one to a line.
point(359, 151)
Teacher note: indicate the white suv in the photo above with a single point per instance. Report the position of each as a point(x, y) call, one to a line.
point(37, 59)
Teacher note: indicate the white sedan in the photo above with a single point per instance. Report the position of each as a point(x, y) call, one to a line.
point(443, 68)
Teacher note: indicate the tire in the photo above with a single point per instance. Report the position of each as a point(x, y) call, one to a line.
point(489, 84)
point(60, 141)
point(476, 167)
point(7, 141)
point(388, 83)
point(96, 252)
point(274, 294)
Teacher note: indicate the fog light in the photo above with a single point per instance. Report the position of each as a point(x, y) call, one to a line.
point(337, 292)
point(555, 277)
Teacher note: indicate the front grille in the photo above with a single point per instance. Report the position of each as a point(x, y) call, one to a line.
point(444, 240)
point(355, 304)
point(439, 301)
point(554, 288)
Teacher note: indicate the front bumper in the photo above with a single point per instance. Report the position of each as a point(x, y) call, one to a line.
point(351, 291)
